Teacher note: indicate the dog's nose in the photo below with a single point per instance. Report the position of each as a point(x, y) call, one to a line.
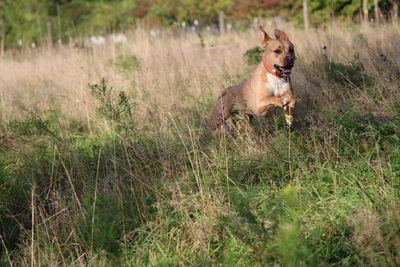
point(289, 59)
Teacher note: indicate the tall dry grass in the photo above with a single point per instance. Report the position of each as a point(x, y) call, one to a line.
point(177, 73)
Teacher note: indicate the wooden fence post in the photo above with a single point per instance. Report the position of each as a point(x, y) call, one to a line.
point(59, 41)
point(377, 12)
point(365, 11)
point(395, 10)
point(49, 36)
point(2, 37)
point(305, 14)
point(221, 18)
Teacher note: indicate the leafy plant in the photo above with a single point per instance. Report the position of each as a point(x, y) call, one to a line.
point(115, 107)
point(127, 63)
point(275, 230)
point(350, 73)
point(35, 124)
point(102, 227)
point(253, 55)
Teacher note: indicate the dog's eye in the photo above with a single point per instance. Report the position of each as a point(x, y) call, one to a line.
point(278, 51)
point(291, 50)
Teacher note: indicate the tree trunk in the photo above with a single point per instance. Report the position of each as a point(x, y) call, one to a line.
point(377, 12)
point(365, 11)
point(305, 14)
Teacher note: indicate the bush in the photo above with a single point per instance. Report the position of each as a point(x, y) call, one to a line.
point(117, 108)
point(349, 74)
point(273, 231)
point(253, 56)
point(127, 63)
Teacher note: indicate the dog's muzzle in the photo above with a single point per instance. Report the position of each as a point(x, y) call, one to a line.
point(285, 71)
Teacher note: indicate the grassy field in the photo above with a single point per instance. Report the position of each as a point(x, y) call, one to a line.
point(103, 161)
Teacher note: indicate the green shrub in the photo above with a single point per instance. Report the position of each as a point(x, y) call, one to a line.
point(350, 73)
point(345, 74)
point(103, 225)
point(115, 107)
point(253, 56)
point(272, 231)
point(127, 63)
point(35, 124)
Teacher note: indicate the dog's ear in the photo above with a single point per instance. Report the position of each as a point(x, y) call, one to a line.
point(281, 35)
point(264, 37)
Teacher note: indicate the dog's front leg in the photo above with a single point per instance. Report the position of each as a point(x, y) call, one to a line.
point(267, 102)
point(290, 100)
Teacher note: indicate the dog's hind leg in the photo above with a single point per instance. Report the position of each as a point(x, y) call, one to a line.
point(223, 108)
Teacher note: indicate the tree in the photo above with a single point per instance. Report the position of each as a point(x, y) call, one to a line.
point(250, 8)
point(24, 21)
point(96, 15)
point(171, 11)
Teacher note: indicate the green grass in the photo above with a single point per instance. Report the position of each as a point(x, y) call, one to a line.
point(208, 204)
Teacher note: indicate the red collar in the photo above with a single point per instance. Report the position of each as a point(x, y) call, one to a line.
point(269, 69)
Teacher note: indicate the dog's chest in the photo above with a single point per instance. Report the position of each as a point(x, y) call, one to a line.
point(276, 86)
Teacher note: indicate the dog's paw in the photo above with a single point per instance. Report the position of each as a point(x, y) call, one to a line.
point(285, 102)
point(289, 119)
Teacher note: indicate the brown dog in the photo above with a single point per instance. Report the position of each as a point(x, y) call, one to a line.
point(269, 86)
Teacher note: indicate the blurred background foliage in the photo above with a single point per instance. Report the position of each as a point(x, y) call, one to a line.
point(23, 22)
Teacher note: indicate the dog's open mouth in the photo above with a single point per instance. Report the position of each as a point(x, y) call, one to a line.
point(286, 70)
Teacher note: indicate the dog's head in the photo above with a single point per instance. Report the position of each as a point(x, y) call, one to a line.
point(278, 53)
